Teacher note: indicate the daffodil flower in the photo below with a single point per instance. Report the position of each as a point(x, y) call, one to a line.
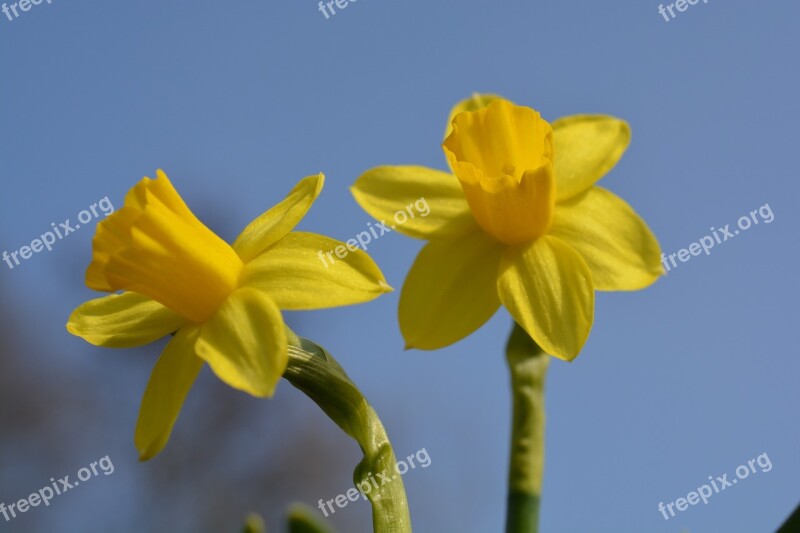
point(519, 222)
point(222, 302)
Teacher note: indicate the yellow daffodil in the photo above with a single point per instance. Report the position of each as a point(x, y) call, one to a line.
point(223, 302)
point(520, 223)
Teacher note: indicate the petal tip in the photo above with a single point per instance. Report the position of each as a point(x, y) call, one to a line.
point(71, 328)
point(266, 391)
point(320, 181)
point(148, 452)
point(385, 287)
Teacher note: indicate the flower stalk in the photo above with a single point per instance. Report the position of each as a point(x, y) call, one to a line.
point(528, 365)
point(316, 373)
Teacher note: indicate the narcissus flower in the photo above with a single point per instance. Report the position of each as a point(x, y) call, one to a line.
point(520, 223)
point(223, 302)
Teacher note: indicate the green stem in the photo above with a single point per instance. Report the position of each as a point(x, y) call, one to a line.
point(316, 373)
point(303, 519)
point(792, 523)
point(528, 365)
point(254, 524)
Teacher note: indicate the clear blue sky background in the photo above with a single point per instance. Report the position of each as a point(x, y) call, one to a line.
point(238, 100)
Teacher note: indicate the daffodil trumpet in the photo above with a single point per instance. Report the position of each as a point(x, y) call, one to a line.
point(518, 222)
point(223, 306)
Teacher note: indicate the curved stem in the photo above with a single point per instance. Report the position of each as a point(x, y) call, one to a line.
point(528, 364)
point(316, 373)
point(792, 523)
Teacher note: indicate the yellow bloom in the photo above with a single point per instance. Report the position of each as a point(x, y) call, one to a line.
point(223, 302)
point(520, 223)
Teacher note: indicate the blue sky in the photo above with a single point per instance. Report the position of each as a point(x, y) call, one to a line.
point(238, 101)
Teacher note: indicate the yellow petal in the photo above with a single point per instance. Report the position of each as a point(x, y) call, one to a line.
point(268, 229)
point(450, 291)
point(547, 288)
point(621, 251)
point(172, 377)
point(434, 198)
point(123, 321)
point(587, 147)
point(245, 342)
point(309, 271)
point(473, 103)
